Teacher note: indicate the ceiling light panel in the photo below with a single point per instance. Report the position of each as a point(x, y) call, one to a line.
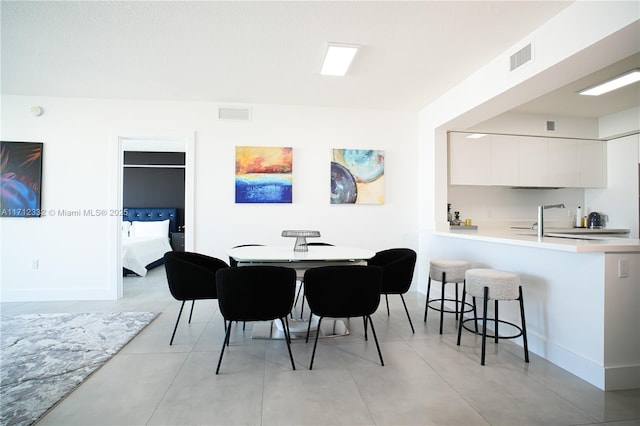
point(613, 84)
point(338, 58)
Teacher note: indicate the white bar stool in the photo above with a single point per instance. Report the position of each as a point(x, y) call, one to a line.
point(446, 271)
point(491, 284)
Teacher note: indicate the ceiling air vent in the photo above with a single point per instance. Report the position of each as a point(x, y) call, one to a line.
point(241, 114)
point(521, 57)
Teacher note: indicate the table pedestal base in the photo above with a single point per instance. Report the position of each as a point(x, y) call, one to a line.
point(298, 329)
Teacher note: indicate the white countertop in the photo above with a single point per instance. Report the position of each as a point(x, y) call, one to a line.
point(552, 240)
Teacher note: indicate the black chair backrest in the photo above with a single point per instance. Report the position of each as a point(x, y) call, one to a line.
point(192, 276)
point(232, 262)
point(255, 293)
point(343, 291)
point(398, 265)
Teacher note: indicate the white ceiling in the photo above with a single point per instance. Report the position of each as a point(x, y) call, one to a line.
point(257, 52)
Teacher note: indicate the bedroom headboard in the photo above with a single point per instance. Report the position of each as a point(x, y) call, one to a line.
point(146, 214)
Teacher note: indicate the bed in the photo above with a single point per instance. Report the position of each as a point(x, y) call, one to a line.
point(145, 237)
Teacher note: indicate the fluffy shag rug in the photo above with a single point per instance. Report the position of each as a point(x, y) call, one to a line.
point(43, 357)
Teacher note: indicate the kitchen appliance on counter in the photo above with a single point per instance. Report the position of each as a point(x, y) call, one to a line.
point(595, 220)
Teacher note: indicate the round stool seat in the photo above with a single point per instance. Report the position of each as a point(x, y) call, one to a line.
point(446, 271)
point(453, 268)
point(502, 285)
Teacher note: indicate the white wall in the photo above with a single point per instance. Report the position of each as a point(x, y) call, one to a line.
point(80, 171)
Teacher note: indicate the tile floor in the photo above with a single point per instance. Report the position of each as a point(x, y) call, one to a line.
point(426, 380)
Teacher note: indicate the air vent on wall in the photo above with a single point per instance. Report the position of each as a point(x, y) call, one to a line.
point(521, 57)
point(227, 113)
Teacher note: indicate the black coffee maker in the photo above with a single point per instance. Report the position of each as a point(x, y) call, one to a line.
point(595, 221)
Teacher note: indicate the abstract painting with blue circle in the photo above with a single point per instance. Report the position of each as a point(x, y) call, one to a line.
point(357, 176)
point(21, 179)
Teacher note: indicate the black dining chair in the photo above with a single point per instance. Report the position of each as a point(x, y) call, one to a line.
point(343, 292)
point(256, 293)
point(397, 266)
point(191, 276)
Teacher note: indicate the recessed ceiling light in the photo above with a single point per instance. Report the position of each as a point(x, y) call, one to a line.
point(625, 79)
point(476, 136)
point(338, 58)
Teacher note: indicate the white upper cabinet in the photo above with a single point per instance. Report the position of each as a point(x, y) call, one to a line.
point(527, 161)
point(534, 167)
point(592, 164)
point(470, 160)
point(563, 163)
point(504, 159)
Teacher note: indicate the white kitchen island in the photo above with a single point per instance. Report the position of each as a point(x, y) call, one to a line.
point(582, 297)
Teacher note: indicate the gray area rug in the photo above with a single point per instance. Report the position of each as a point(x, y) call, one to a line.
point(43, 357)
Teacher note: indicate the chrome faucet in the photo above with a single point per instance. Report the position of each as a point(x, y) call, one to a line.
point(541, 216)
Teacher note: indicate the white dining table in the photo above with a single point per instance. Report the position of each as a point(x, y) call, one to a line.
point(300, 261)
point(316, 256)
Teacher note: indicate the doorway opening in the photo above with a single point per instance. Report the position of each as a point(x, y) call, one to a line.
point(132, 154)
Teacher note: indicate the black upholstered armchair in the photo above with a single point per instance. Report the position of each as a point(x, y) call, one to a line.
point(343, 292)
point(191, 276)
point(256, 293)
point(397, 266)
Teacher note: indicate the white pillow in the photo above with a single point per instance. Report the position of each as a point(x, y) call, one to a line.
point(150, 229)
point(126, 227)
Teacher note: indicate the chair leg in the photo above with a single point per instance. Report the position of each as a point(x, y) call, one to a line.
point(313, 354)
point(495, 303)
point(177, 321)
point(386, 296)
point(426, 305)
point(524, 328)
point(484, 324)
point(224, 343)
point(475, 314)
point(309, 328)
point(456, 301)
point(373, 330)
point(444, 278)
point(364, 319)
point(191, 313)
point(287, 338)
point(302, 307)
point(464, 295)
point(295, 302)
point(408, 316)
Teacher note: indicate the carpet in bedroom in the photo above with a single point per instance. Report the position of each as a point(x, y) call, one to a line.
point(43, 357)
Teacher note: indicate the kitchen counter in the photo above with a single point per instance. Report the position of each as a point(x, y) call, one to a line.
point(576, 240)
point(581, 295)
